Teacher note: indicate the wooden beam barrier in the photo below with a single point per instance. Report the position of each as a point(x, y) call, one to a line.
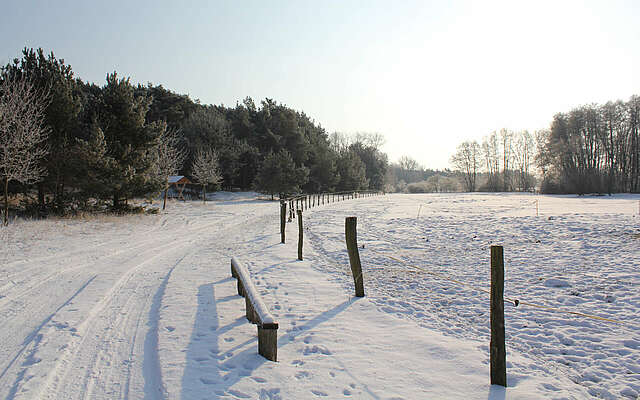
point(497, 349)
point(257, 312)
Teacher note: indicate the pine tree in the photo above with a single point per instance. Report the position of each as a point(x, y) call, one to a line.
point(279, 174)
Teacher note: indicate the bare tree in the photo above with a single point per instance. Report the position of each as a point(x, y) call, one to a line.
point(523, 154)
point(22, 134)
point(467, 161)
point(169, 158)
point(206, 169)
point(490, 149)
point(506, 138)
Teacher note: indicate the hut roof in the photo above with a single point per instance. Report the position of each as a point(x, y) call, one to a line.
point(178, 179)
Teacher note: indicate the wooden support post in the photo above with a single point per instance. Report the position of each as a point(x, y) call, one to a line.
point(300, 235)
point(233, 272)
point(268, 341)
point(283, 219)
point(354, 256)
point(250, 312)
point(497, 350)
point(240, 288)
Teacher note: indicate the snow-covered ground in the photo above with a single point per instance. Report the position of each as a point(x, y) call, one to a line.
point(144, 306)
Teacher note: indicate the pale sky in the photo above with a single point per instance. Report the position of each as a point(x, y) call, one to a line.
point(425, 74)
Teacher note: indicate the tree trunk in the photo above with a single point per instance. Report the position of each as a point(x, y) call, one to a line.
point(204, 193)
point(41, 195)
point(164, 201)
point(6, 200)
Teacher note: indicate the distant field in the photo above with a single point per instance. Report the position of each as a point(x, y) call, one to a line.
point(580, 254)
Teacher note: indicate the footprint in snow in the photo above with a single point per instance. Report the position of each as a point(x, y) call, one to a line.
point(240, 394)
point(229, 339)
point(319, 393)
point(170, 328)
point(227, 367)
point(258, 379)
point(208, 381)
point(315, 350)
point(271, 394)
point(302, 374)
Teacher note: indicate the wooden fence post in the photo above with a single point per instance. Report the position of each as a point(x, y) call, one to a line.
point(283, 219)
point(354, 256)
point(268, 342)
point(497, 350)
point(300, 235)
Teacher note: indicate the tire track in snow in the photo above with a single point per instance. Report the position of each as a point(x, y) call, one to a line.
point(93, 378)
point(38, 281)
point(33, 340)
point(151, 369)
point(106, 319)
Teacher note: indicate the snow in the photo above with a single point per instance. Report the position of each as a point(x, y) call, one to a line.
point(145, 306)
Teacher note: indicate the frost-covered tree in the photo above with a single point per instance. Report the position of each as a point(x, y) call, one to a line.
point(22, 134)
point(169, 157)
point(206, 169)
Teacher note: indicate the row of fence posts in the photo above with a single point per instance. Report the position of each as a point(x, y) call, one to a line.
point(497, 347)
point(296, 205)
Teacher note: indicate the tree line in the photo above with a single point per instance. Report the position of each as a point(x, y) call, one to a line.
point(591, 149)
point(110, 143)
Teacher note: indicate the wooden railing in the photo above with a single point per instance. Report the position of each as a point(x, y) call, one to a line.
point(257, 312)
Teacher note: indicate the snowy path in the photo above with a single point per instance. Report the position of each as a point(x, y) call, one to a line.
point(81, 322)
point(145, 308)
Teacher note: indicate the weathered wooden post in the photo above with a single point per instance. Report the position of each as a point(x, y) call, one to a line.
point(268, 341)
point(300, 235)
point(354, 256)
point(497, 350)
point(283, 219)
point(233, 272)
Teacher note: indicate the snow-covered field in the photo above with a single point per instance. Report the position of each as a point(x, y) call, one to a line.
point(144, 307)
